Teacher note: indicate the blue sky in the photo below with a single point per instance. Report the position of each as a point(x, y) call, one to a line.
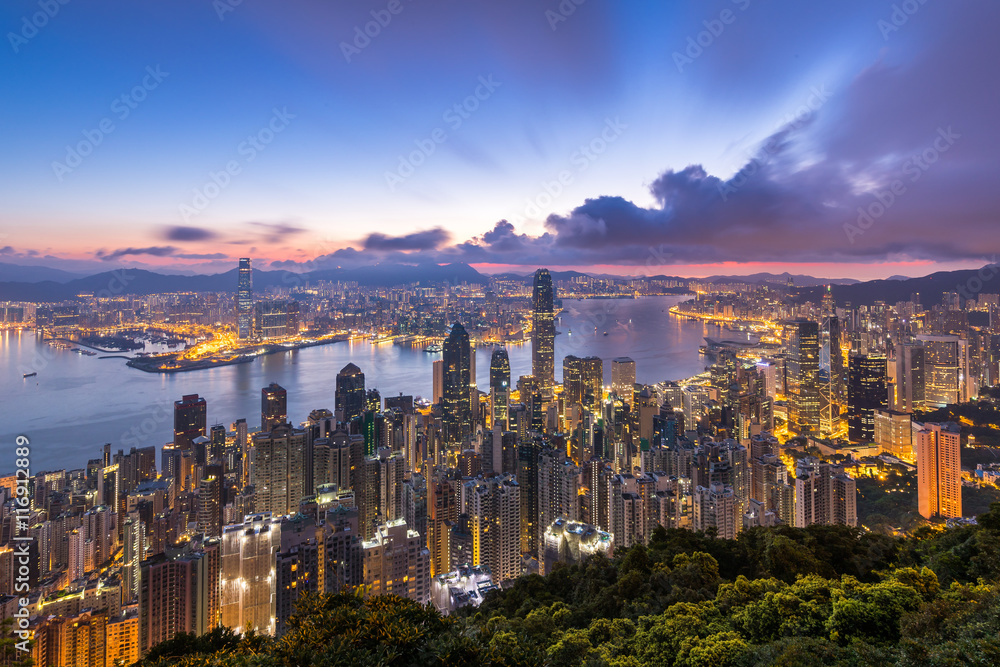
point(820, 105)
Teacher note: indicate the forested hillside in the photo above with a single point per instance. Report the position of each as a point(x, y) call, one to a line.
point(827, 595)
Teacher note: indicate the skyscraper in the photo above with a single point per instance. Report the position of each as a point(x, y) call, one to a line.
point(499, 387)
point(939, 472)
point(273, 406)
point(866, 392)
point(456, 404)
point(190, 420)
point(623, 378)
point(244, 300)
point(802, 369)
point(350, 398)
point(247, 573)
point(543, 333)
point(281, 470)
point(592, 381)
point(572, 378)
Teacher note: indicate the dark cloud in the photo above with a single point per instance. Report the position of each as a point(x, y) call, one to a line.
point(7, 250)
point(424, 240)
point(184, 233)
point(276, 232)
point(211, 255)
point(154, 251)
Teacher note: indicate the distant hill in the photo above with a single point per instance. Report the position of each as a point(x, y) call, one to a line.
point(141, 282)
point(781, 278)
point(930, 288)
point(34, 274)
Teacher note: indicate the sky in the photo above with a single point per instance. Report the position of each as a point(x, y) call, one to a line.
point(855, 139)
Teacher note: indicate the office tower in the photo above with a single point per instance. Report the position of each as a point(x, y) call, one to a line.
point(281, 474)
point(495, 511)
point(824, 495)
point(350, 395)
point(134, 554)
point(244, 300)
point(572, 377)
point(300, 566)
point(396, 562)
point(558, 489)
point(894, 434)
point(210, 502)
point(572, 542)
point(802, 369)
point(442, 509)
point(939, 471)
point(190, 420)
point(623, 379)
point(499, 388)
point(217, 443)
point(592, 381)
point(275, 318)
point(178, 593)
point(415, 503)
point(910, 390)
point(379, 496)
point(543, 332)
point(247, 573)
point(456, 407)
point(770, 487)
point(273, 406)
point(833, 385)
point(945, 370)
point(373, 401)
point(437, 391)
point(715, 507)
point(332, 460)
point(866, 392)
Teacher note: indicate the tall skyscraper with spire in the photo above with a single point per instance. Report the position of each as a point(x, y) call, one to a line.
point(456, 402)
point(244, 300)
point(543, 334)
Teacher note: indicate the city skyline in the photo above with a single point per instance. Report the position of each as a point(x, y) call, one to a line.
point(799, 159)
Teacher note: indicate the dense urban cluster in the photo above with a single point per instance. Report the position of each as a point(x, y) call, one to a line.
point(470, 491)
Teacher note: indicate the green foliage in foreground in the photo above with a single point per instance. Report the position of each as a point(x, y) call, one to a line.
point(825, 595)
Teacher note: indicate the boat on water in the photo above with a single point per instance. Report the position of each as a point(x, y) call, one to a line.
point(605, 333)
point(30, 375)
point(435, 347)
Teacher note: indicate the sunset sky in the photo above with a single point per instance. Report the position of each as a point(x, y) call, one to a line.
point(622, 137)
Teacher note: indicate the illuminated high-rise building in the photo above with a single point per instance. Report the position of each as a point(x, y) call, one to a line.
point(592, 381)
point(190, 420)
point(282, 470)
point(273, 406)
point(350, 397)
point(244, 300)
point(572, 378)
point(499, 387)
point(456, 404)
point(802, 370)
point(247, 595)
point(866, 392)
point(543, 333)
point(939, 469)
point(623, 379)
